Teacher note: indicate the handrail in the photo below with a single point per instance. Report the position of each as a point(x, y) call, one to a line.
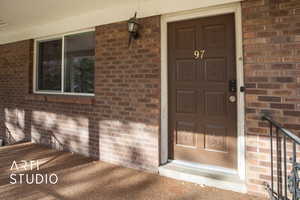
point(286, 182)
point(283, 130)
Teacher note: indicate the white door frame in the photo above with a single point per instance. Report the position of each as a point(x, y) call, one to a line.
point(197, 13)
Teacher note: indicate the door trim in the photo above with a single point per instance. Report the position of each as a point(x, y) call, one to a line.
point(197, 13)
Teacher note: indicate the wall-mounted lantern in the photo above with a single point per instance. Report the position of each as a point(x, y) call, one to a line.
point(133, 27)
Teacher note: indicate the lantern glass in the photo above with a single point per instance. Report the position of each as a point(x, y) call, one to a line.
point(130, 26)
point(136, 26)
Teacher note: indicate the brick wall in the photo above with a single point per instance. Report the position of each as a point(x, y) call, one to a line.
point(14, 84)
point(271, 31)
point(128, 93)
point(119, 125)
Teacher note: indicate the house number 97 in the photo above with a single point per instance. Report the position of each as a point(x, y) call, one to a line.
point(199, 54)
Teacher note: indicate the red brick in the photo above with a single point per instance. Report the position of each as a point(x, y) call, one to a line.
point(292, 113)
point(269, 98)
point(282, 106)
point(292, 126)
point(283, 79)
point(253, 91)
point(268, 86)
point(279, 77)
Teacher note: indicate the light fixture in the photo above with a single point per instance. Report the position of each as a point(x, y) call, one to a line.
point(133, 27)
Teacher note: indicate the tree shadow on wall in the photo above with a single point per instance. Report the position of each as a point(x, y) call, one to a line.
point(16, 128)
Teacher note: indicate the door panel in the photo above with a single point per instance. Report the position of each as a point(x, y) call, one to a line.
point(202, 121)
point(185, 134)
point(215, 138)
point(215, 104)
point(212, 71)
point(186, 70)
point(186, 101)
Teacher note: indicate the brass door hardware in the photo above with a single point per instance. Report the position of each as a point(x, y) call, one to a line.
point(199, 54)
point(232, 99)
point(196, 54)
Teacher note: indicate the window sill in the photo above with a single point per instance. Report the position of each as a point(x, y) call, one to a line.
point(53, 98)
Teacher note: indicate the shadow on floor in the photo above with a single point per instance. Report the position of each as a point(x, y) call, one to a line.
point(84, 178)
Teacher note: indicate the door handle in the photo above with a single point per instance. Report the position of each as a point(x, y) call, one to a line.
point(232, 99)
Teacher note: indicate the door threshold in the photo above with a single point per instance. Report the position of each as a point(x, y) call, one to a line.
point(204, 175)
point(205, 167)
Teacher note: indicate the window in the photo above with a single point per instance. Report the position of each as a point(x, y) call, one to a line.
point(49, 67)
point(66, 64)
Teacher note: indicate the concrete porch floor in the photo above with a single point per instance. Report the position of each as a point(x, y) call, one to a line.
point(83, 178)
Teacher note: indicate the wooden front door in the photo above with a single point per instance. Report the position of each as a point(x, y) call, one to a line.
point(202, 96)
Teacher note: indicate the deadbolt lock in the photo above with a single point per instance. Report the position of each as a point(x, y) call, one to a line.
point(232, 85)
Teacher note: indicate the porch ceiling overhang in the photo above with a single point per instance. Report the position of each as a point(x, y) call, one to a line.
point(35, 18)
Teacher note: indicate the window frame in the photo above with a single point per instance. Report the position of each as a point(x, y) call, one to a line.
point(36, 61)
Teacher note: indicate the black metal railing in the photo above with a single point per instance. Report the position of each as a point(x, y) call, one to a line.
point(284, 166)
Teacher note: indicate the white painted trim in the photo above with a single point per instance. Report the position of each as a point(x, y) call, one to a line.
point(65, 93)
point(62, 65)
point(164, 93)
point(197, 13)
point(54, 36)
point(241, 95)
point(35, 61)
point(203, 166)
point(204, 177)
